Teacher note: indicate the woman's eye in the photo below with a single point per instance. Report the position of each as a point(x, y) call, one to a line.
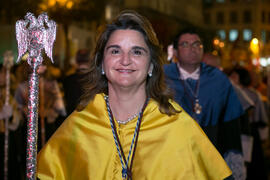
point(115, 51)
point(137, 52)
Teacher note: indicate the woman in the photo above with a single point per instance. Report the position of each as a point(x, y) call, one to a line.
point(126, 125)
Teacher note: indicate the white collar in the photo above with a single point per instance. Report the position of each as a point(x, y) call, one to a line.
point(184, 74)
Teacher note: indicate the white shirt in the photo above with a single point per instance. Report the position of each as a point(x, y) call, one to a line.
point(184, 74)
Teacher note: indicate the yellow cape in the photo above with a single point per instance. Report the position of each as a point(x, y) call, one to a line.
point(168, 148)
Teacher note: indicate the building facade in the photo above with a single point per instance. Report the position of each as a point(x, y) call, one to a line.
point(190, 11)
point(166, 16)
point(236, 23)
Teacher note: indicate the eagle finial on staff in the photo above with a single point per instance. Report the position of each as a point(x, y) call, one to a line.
point(33, 36)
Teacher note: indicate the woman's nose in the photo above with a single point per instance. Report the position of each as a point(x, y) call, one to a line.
point(125, 59)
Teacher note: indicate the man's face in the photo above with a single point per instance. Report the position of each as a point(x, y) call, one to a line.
point(189, 50)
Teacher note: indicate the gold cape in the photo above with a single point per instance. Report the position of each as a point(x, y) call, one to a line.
point(168, 148)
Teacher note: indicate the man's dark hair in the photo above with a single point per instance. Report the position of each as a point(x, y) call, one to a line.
point(244, 76)
point(188, 30)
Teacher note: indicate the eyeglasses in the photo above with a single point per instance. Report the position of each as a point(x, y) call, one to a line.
point(195, 45)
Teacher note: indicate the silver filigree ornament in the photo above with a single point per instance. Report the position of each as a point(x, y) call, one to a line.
point(33, 35)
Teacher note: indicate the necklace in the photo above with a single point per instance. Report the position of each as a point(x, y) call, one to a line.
point(129, 119)
point(126, 168)
point(197, 108)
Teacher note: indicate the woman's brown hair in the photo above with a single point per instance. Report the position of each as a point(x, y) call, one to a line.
point(155, 85)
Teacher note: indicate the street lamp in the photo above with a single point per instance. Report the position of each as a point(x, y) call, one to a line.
point(254, 47)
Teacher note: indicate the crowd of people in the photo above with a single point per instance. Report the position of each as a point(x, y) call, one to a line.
point(126, 113)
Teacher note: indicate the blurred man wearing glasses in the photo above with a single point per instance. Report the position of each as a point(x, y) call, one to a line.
point(208, 96)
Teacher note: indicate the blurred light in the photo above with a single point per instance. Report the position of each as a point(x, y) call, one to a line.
point(43, 7)
point(51, 3)
point(108, 12)
point(263, 62)
point(216, 42)
point(268, 60)
point(222, 34)
point(255, 41)
point(247, 34)
point(254, 62)
point(215, 52)
point(233, 34)
point(69, 4)
point(62, 2)
point(254, 46)
point(221, 44)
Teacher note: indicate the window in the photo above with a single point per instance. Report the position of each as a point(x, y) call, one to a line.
point(263, 17)
point(233, 17)
point(233, 35)
point(207, 3)
point(247, 34)
point(267, 37)
point(222, 34)
point(220, 18)
point(263, 36)
point(207, 18)
point(247, 16)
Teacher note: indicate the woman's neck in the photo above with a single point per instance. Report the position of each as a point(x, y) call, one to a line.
point(125, 104)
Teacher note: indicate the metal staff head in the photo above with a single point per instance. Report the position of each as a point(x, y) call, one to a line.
point(34, 34)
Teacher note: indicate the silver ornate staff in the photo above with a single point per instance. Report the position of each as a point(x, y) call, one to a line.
point(34, 34)
point(8, 63)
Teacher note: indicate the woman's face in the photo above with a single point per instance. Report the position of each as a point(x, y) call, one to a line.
point(126, 59)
